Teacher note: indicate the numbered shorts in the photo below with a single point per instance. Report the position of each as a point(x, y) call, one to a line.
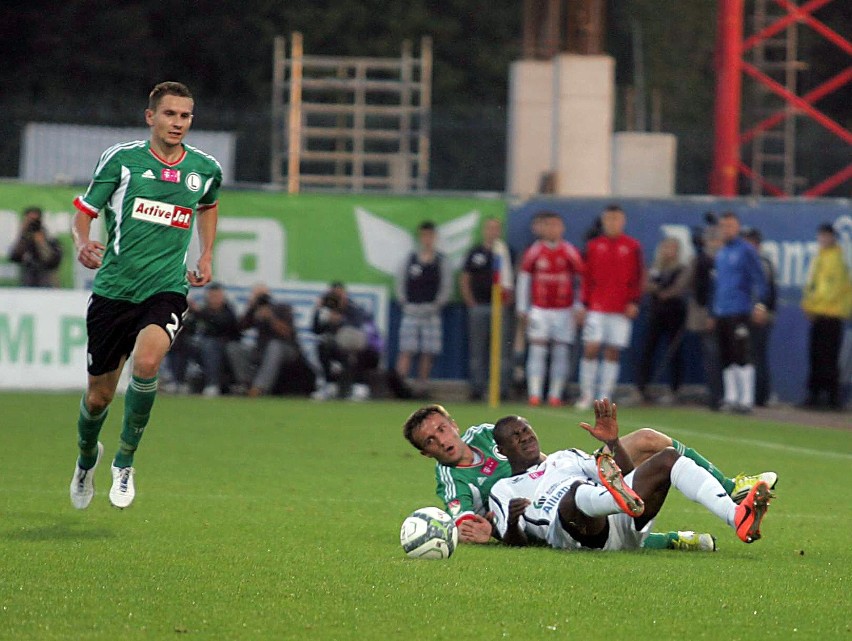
point(113, 326)
point(421, 334)
point(623, 534)
point(607, 329)
point(551, 325)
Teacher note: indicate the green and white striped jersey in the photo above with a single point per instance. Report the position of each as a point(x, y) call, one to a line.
point(465, 489)
point(149, 206)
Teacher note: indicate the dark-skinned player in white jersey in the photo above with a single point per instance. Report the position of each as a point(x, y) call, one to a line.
point(151, 194)
point(571, 500)
point(468, 465)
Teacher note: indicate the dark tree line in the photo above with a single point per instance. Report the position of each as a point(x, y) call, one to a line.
point(94, 61)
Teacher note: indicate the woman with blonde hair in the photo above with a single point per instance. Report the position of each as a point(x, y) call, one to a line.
point(666, 284)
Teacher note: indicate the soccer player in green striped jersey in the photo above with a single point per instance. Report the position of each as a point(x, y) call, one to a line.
point(468, 465)
point(151, 193)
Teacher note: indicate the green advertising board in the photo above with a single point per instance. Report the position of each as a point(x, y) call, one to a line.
point(277, 237)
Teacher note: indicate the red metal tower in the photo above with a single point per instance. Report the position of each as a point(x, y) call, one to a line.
point(731, 64)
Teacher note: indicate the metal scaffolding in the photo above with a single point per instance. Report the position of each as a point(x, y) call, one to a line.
point(351, 123)
point(772, 170)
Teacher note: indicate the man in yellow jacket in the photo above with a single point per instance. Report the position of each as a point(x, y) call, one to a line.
point(827, 300)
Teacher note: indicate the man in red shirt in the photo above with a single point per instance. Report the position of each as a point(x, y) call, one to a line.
point(545, 296)
point(612, 287)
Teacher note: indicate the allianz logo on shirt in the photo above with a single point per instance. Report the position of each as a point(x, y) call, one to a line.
point(153, 211)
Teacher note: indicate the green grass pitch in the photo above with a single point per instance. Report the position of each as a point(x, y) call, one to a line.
point(279, 519)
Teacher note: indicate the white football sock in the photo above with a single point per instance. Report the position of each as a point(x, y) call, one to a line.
point(609, 378)
point(697, 484)
point(747, 385)
point(558, 370)
point(588, 377)
point(595, 500)
point(729, 378)
point(535, 369)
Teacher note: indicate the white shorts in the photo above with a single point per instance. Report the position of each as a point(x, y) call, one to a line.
point(623, 534)
point(551, 325)
point(607, 329)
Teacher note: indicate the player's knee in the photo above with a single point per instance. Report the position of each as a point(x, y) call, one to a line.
point(97, 400)
point(666, 458)
point(612, 354)
point(650, 440)
point(146, 365)
point(592, 350)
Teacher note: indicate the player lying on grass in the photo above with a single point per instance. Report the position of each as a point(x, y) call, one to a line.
point(467, 466)
point(571, 500)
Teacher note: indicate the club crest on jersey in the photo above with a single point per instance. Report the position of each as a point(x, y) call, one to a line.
point(454, 506)
point(193, 181)
point(153, 211)
point(489, 466)
point(170, 175)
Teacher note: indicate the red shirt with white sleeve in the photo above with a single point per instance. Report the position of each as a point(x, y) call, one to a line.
point(547, 273)
point(614, 274)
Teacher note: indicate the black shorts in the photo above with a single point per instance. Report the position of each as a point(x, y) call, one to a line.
point(113, 326)
point(734, 340)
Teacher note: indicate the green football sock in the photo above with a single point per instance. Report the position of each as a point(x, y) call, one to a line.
point(660, 541)
point(137, 410)
point(88, 428)
point(690, 453)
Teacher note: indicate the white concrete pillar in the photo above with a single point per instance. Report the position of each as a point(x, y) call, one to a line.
point(583, 108)
point(644, 164)
point(530, 125)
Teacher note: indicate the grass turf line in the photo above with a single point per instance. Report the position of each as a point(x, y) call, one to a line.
point(279, 519)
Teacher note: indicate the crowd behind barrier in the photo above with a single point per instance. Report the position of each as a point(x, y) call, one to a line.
point(668, 347)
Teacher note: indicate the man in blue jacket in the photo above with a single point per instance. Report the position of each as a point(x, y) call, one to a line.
point(740, 282)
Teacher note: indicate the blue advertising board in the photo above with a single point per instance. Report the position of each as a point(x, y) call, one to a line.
point(789, 232)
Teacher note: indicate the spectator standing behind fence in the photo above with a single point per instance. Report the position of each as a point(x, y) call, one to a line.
point(348, 345)
point(216, 327)
point(423, 287)
point(666, 285)
point(739, 276)
point(698, 317)
point(827, 300)
point(475, 284)
point(760, 332)
point(38, 254)
point(258, 365)
point(545, 300)
point(612, 288)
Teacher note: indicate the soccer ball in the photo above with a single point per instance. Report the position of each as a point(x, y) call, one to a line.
point(429, 533)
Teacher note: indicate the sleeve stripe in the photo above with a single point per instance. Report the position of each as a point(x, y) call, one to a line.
point(85, 207)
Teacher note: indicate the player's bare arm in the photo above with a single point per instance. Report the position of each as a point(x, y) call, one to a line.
point(89, 252)
point(605, 430)
point(515, 535)
point(207, 221)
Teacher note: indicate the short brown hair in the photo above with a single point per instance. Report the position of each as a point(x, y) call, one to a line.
point(168, 88)
point(417, 418)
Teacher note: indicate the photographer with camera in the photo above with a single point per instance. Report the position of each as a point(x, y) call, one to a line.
point(348, 346)
point(38, 254)
point(257, 366)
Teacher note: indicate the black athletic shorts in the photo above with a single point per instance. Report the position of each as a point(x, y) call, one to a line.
point(113, 326)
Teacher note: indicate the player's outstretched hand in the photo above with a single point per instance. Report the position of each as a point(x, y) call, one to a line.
point(606, 421)
point(476, 529)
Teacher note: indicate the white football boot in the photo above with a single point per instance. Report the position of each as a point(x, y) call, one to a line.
point(123, 491)
point(83, 482)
